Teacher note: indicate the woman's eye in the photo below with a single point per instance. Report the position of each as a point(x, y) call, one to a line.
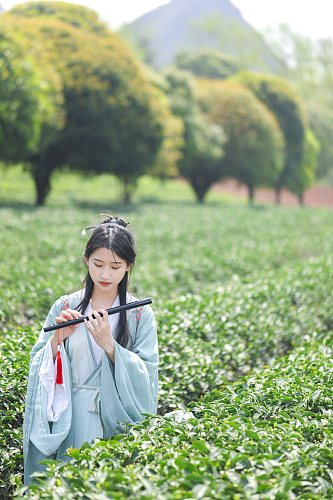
point(115, 267)
point(98, 265)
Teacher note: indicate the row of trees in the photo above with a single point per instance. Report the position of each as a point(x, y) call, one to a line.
point(250, 127)
point(308, 65)
point(73, 95)
point(85, 103)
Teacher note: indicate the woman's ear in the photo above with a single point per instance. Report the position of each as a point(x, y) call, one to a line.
point(85, 260)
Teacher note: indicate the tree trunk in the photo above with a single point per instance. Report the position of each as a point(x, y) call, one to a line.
point(42, 179)
point(278, 196)
point(300, 197)
point(250, 190)
point(200, 188)
point(127, 193)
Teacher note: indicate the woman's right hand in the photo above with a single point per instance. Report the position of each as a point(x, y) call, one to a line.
point(62, 333)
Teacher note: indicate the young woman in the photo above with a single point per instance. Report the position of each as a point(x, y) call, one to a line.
point(108, 373)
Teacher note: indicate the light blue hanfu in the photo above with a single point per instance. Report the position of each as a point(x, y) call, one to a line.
point(102, 397)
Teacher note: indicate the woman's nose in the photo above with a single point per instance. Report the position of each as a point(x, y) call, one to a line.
point(105, 274)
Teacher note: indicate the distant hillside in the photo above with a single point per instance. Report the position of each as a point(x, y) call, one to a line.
point(191, 24)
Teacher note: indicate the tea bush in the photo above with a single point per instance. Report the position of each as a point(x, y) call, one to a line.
point(233, 289)
point(226, 333)
point(14, 361)
point(268, 435)
point(182, 248)
point(205, 341)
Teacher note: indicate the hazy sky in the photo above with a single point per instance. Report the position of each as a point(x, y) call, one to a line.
point(260, 13)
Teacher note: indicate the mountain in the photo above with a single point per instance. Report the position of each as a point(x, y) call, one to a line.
point(194, 24)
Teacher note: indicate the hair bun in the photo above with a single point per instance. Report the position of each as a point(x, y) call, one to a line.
point(114, 220)
point(111, 220)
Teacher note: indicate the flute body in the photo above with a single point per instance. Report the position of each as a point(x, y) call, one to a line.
point(111, 310)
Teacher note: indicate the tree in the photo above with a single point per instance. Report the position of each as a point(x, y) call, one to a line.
point(283, 101)
point(321, 122)
point(30, 100)
point(207, 63)
point(113, 114)
point(254, 142)
point(202, 140)
point(170, 152)
point(77, 16)
point(309, 67)
point(304, 176)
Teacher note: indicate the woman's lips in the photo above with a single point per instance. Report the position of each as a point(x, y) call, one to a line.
point(104, 283)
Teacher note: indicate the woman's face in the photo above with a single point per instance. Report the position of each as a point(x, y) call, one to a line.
point(106, 269)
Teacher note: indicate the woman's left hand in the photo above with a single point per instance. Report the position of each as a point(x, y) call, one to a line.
point(100, 329)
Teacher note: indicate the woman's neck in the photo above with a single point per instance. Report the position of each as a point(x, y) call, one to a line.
point(102, 301)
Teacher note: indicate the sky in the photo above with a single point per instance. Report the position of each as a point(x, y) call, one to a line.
point(262, 14)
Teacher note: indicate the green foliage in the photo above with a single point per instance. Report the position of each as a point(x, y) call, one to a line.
point(82, 18)
point(108, 99)
point(215, 244)
point(283, 101)
point(202, 141)
point(30, 99)
point(238, 290)
point(267, 434)
point(305, 176)
point(321, 121)
point(254, 143)
point(309, 67)
point(14, 359)
point(207, 63)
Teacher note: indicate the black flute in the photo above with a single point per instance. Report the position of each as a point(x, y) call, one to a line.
point(111, 310)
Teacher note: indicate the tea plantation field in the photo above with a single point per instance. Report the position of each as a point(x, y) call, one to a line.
point(243, 300)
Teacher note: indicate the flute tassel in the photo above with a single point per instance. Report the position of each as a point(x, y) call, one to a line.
point(59, 377)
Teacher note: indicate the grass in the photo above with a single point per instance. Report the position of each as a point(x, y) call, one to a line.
point(99, 192)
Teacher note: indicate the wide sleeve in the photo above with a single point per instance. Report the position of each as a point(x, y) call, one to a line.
point(133, 378)
point(36, 427)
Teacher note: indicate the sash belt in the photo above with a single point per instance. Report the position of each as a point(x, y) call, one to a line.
point(94, 405)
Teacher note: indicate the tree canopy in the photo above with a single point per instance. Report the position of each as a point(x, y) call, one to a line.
point(254, 142)
point(202, 140)
point(207, 63)
point(113, 113)
point(30, 99)
point(284, 102)
point(309, 66)
point(76, 15)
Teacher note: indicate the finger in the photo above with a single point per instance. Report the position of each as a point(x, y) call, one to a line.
point(100, 317)
point(60, 319)
point(75, 313)
point(66, 314)
point(105, 315)
point(88, 325)
point(97, 318)
point(92, 320)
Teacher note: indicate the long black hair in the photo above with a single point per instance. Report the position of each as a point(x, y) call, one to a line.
point(112, 234)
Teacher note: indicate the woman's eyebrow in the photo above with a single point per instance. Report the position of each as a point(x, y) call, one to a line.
point(113, 262)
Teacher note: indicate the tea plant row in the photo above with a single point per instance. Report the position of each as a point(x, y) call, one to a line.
point(266, 436)
point(182, 249)
point(205, 341)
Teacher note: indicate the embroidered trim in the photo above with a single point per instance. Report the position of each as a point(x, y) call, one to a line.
point(64, 303)
point(138, 314)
